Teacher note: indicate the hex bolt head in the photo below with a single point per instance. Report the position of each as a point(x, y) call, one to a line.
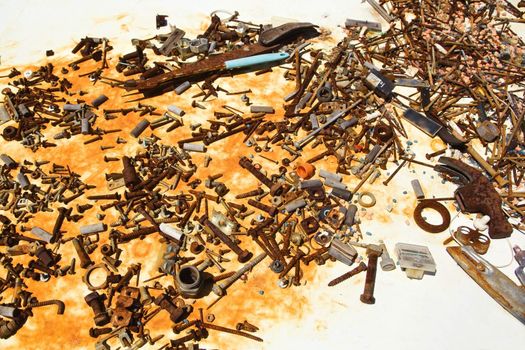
point(244, 256)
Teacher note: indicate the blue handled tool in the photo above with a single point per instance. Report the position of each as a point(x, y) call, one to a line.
point(256, 60)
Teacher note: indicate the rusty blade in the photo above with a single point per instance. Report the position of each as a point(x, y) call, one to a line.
point(198, 70)
point(493, 281)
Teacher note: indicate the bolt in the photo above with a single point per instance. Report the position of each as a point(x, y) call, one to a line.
point(180, 327)
point(166, 303)
point(368, 294)
point(96, 302)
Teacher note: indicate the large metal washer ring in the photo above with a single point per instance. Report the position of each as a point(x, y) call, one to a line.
point(440, 208)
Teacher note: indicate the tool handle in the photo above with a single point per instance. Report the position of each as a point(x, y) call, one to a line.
point(255, 60)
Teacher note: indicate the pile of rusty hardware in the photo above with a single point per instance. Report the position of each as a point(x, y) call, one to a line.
point(358, 105)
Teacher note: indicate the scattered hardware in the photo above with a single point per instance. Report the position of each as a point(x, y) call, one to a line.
point(351, 115)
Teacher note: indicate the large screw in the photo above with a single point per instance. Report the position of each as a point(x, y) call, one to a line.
point(220, 289)
point(360, 268)
point(113, 196)
point(62, 213)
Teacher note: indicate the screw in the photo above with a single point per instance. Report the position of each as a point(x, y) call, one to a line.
point(110, 159)
point(437, 153)
point(195, 104)
point(114, 196)
point(253, 193)
point(96, 138)
point(360, 268)
point(85, 260)
point(220, 289)
point(291, 264)
point(242, 255)
point(83, 208)
point(72, 198)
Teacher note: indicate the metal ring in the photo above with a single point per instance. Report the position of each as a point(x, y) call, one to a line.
point(440, 208)
point(366, 204)
point(86, 280)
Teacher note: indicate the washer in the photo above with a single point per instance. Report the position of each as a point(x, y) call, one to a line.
point(366, 204)
point(435, 205)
